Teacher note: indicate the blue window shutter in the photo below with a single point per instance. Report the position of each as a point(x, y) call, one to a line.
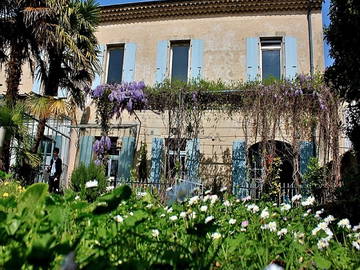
point(129, 62)
point(98, 76)
point(126, 157)
point(161, 60)
point(306, 152)
point(252, 59)
point(291, 68)
point(37, 82)
point(157, 147)
point(197, 56)
point(192, 159)
point(86, 144)
point(239, 169)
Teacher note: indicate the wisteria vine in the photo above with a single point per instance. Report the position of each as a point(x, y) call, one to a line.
point(111, 100)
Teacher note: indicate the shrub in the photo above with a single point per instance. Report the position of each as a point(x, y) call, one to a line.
point(315, 177)
point(84, 174)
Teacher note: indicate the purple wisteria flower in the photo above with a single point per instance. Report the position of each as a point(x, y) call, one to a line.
point(102, 145)
point(111, 100)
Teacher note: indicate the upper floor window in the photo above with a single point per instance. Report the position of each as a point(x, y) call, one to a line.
point(270, 57)
point(115, 64)
point(180, 60)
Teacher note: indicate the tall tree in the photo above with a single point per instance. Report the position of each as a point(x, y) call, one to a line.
point(69, 47)
point(17, 46)
point(344, 75)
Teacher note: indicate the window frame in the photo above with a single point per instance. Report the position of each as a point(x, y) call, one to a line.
point(110, 47)
point(175, 43)
point(279, 46)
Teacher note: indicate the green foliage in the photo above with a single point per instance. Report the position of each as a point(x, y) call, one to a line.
point(272, 185)
point(121, 230)
point(83, 174)
point(344, 75)
point(5, 176)
point(314, 178)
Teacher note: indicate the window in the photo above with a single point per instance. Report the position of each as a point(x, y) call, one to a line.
point(271, 58)
point(115, 64)
point(180, 60)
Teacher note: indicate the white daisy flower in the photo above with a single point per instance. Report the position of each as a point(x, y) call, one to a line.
point(296, 198)
point(192, 215)
point(323, 225)
point(232, 221)
point(213, 199)
point(285, 207)
point(356, 244)
point(322, 243)
point(155, 233)
point(329, 219)
point(208, 219)
point(193, 200)
point(206, 198)
point(203, 208)
point(282, 232)
point(253, 208)
point(227, 203)
point(223, 189)
point(356, 228)
point(183, 214)
point(247, 198)
point(271, 226)
point(344, 223)
point(264, 213)
point(309, 201)
point(119, 219)
point(216, 235)
point(173, 218)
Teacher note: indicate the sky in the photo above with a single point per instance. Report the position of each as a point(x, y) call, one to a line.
point(325, 11)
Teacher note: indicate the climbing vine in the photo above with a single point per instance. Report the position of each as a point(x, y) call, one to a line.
point(111, 100)
point(303, 109)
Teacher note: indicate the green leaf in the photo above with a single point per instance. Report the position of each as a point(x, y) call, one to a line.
point(32, 197)
point(9, 202)
point(14, 226)
point(2, 216)
point(110, 202)
point(321, 262)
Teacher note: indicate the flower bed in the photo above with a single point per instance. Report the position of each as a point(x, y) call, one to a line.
point(121, 230)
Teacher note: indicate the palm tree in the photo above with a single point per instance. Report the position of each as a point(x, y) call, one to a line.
point(12, 120)
point(17, 46)
point(70, 52)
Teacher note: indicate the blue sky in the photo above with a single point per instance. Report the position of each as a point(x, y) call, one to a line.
point(325, 11)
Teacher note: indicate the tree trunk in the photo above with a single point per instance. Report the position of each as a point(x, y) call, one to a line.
point(13, 77)
point(13, 74)
point(51, 89)
point(39, 135)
